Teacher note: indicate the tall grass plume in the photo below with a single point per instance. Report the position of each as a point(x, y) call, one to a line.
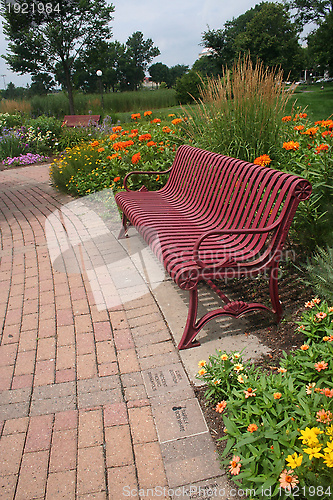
point(240, 113)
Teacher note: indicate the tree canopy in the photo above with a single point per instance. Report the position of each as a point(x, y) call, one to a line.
point(265, 31)
point(41, 39)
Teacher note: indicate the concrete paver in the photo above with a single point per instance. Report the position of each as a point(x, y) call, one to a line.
point(95, 399)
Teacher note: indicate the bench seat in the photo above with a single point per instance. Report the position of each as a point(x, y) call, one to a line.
point(80, 120)
point(216, 218)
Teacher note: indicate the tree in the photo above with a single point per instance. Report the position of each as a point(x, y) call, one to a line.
point(188, 87)
point(57, 32)
point(310, 11)
point(320, 45)
point(265, 31)
point(139, 53)
point(41, 84)
point(159, 72)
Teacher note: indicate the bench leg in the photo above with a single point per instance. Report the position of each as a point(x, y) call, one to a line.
point(191, 329)
point(274, 292)
point(124, 229)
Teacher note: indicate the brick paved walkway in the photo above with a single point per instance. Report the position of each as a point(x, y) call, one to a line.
point(87, 410)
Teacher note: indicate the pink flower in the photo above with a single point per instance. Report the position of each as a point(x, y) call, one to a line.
point(288, 479)
point(321, 365)
point(235, 465)
point(324, 416)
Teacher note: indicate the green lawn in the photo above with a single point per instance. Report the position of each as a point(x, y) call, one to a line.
point(318, 101)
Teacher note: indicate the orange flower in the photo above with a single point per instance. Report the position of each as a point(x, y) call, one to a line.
point(145, 137)
point(321, 365)
point(262, 160)
point(122, 145)
point(286, 119)
point(291, 145)
point(151, 143)
point(252, 428)
point(250, 392)
point(136, 116)
point(298, 128)
point(304, 347)
point(100, 150)
point(136, 158)
point(118, 128)
point(311, 131)
point(176, 121)
point(277, 395)
point(220, 407)
point(322, 147)
point(116, 179)
point(115, 155)
point(327, 392)
point(321, 315)
point(155, 120)
point(113, 137)
point(167, 130)
point(147, 113)
point(94, 144)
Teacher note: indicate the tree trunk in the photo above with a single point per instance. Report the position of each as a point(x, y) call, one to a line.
point(69, 88)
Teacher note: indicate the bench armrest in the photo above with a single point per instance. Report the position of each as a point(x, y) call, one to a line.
point(144, 172)
point(220, 232)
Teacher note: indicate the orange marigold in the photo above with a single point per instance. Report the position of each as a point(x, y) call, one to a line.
point(118, 128)
point(116, 179)
point(298, 128)
point(136, 158)
point(252, 428)
point(286, 119)
point(322, 147)
point(291, 145)
point(176, 121)
point(147, 113)
point(145, 137)
point(311, 131)
point(262, 160)
point(136, 116)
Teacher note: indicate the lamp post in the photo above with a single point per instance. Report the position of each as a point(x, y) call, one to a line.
point(99, 73)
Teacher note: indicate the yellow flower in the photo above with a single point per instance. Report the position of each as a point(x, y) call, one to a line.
point(309, 436)
point(328, 460)
point(202, 363)
point(202, 371)
point(313, 452)
point(224, 357)
point(294, 460)
point(277, 395)
point(329, 448)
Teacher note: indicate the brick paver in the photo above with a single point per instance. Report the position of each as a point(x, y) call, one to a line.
point(75, 418)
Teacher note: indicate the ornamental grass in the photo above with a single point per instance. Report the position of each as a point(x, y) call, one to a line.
point(239, 114)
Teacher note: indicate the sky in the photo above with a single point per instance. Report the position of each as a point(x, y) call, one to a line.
point(175, 26)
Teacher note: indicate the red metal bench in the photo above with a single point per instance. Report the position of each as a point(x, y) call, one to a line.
point(216, 218)
point(80, 120)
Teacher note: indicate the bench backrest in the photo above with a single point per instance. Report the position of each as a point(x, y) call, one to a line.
point(80, 120)
point(231, 193)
